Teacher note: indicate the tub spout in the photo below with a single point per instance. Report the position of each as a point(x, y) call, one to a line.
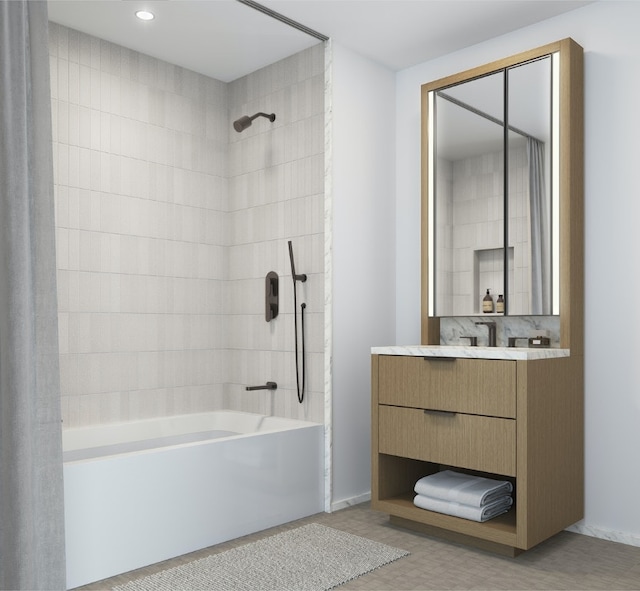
point(267, 386)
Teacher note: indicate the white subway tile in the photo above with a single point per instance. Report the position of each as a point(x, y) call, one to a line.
point(84, 127)
point(88, 410)
point(84, 86)
point(63, 79)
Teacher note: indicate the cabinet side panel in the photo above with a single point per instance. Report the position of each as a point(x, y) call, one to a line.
point(550, 447)
point(572, 197)
point(374, 430)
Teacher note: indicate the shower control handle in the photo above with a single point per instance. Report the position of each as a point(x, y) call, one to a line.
point(271, 289)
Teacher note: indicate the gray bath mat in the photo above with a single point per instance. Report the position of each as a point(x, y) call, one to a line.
point(309, 558)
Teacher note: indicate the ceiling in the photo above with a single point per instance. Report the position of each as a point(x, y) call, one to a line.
point(225, 39)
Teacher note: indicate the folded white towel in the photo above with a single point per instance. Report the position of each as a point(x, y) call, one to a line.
point(462, 488)
point(465, 511)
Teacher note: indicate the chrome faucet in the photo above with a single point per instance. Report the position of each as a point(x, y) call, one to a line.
point(491, 325)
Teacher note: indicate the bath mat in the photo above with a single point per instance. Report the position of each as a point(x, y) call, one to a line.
point(309, 558)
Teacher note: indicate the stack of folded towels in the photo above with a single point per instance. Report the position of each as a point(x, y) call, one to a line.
point(463, 495)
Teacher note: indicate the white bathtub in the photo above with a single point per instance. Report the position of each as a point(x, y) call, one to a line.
point(138, 493)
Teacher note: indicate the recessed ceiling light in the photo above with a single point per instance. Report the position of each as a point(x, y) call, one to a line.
point(145, 15)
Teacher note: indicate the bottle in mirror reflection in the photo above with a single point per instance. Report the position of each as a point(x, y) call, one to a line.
point(487, 303)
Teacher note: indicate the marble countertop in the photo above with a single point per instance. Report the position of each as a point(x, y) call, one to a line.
point(467, 352)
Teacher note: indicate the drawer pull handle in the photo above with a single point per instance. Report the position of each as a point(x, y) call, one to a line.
point(440, 413)
point(438, 358)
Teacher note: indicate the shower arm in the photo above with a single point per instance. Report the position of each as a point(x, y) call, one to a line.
point(270, 116)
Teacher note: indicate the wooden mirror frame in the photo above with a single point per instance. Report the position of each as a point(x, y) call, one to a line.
point(571, 183)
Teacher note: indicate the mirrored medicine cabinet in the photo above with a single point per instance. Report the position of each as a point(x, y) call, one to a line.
point(502, 189)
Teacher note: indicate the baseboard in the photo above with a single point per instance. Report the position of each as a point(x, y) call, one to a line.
point(605, 534)
point(350, 502)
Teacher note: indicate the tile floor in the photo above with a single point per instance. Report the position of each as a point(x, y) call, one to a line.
point(566, 561)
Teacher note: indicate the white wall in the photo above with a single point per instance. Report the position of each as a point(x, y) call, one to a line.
point(363, 237)
point(608, 33)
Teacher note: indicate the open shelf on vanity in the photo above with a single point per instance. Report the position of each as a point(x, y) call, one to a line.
point(396, 479)
point(501, 529)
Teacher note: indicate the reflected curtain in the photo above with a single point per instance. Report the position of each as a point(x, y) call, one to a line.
point(31, 485)
point(539, 220)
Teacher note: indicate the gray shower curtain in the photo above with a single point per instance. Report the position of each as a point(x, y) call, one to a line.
point(31, 487)
point(540, 231)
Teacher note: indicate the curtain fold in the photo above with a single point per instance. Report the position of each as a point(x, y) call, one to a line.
point(539, 218)
point(31, 484)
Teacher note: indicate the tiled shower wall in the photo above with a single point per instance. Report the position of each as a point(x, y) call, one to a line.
point(276, 194)
point(141, 161)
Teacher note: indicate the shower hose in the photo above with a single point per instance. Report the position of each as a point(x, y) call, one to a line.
point(299, 381)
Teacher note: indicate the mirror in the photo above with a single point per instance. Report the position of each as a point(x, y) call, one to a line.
point(492, 196)
point(501, 95)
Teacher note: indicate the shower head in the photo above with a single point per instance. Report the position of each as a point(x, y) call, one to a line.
point(245, 121)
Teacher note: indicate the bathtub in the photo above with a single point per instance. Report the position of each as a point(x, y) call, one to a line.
point(138, 493)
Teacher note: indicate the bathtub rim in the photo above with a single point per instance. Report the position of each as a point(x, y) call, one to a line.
point(236, 421)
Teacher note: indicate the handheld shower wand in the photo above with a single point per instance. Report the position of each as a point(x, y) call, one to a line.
point(302, 277)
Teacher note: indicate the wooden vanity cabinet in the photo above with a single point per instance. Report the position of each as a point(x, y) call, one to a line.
point(520, 420)
point(510, 415)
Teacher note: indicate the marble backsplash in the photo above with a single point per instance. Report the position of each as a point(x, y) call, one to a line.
point(452, 329)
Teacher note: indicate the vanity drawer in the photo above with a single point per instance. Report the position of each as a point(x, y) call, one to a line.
point(480, 443)
point(473, 386)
